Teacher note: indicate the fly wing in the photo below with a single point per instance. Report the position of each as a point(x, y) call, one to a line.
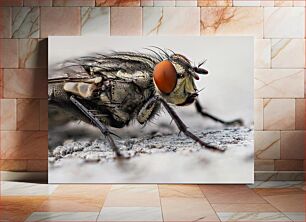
point(68, 72)
point(107, 66)
point(110, 64)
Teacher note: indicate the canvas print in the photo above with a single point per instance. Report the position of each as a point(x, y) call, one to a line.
point(150, 109)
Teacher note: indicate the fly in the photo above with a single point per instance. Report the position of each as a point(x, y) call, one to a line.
point(114, 89)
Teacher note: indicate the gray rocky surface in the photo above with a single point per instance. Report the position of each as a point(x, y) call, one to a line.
point(98, 150)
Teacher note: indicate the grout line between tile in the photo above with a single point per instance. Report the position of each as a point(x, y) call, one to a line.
point(209, 203)
point(161, 208)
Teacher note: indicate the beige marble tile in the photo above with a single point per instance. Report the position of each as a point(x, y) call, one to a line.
point(279, 114)
point(43, 114)
point(266, 3)
point(25, 22)
point(288, 53)
point(300, 114)
point(258, 114)
point(51, 17)
point(264, 165)
point(8, 53)
point(118, 3)
point(253, 216)
point(32, 189)
point(8, 118)
point(279, 83)
point(18, 208)
point(262, 50)
point(63, 216)
point(126, 21)
point(130, 214)
point(230, 194)
point(32, 53)
point(95, 21)
point(13, 165)
point(71, 204)
point(27, 114)
point(299, 3)
point(146, 2)
point(278, 191)
point(5, 22)
point(267, 144)
point(278, 19)
point(73, 2)
point(289, 165)
point(285, 199)
point(171, 21)
point(187, 209)
point(37, 165)
point(133, 196)
point(248, 3)
point(37, 2)
point(279, 3)
point(186, 3)
point(262, 207)
point(163, 3)
point(25, 83)
point(190, 191)
point(219, 3)
point(292, 144)
point(232, 21)
point(91, 191)
point(24, 144)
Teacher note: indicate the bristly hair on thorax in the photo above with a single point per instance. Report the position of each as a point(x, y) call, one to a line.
point(114, 61)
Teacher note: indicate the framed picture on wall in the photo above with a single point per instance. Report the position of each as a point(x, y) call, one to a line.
point(150, 109)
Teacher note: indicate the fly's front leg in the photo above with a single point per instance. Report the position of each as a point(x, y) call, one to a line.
point(205, 114)
point(183, 128)
point(147, 111)
point(98, 124)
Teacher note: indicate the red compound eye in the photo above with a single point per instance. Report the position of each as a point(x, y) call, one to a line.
point(165, 76)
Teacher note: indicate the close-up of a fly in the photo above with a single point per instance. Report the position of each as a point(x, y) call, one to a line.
point(113, 89)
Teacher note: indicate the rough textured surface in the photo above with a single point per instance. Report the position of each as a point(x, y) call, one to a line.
point(155, 157)
point(99, 149)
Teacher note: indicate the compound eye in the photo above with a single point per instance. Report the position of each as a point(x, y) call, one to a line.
point(165, 76)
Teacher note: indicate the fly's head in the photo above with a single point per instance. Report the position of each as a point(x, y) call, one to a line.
point(174, 80)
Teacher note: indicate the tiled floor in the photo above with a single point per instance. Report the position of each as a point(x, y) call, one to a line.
point(263, 201)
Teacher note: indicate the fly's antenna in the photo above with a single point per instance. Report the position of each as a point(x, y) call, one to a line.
point(199, 70)
point(202, 63)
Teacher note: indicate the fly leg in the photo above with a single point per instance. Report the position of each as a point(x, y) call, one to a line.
point(205, 114)
point(104, 130)
point(183, 128)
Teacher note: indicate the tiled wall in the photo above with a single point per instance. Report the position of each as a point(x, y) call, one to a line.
point(279, 28)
